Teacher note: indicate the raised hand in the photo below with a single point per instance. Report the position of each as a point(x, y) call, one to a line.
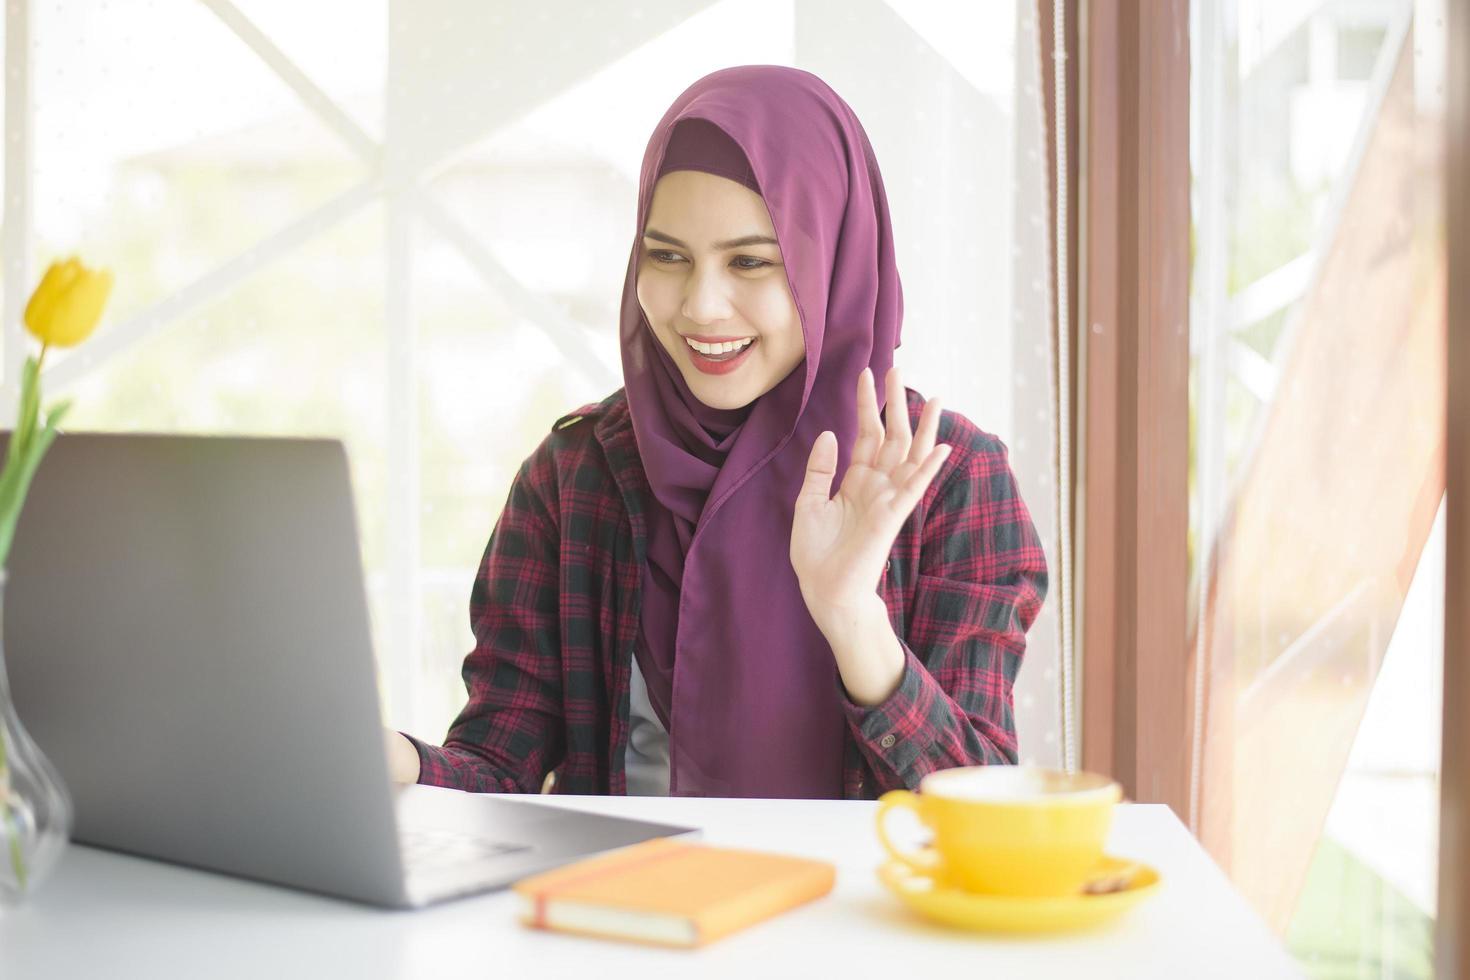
point(839, 544)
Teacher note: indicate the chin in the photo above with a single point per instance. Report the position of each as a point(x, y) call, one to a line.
point(724, 404)
point(726, 400)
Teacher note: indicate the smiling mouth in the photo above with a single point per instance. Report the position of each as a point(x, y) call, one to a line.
point(720, 351)
point(720, 358)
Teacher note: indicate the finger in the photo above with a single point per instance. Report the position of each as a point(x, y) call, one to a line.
point(821, 467)
point(899, 435)
point(926, 432)
point(911, 491)
point(924, 438)
point(870, 426)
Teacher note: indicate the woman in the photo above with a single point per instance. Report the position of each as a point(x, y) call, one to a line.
point(673, 601)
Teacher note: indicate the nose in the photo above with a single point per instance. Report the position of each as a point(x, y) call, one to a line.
point(705, 297)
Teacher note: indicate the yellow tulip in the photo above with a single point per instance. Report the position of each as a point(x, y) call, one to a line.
point(65, 308)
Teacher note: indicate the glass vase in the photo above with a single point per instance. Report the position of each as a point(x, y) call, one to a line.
point(35, 808)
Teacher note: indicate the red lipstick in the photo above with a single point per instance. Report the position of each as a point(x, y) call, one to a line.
point(719, 363)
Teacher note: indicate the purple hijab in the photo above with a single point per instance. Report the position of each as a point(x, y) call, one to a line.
point(737, 671)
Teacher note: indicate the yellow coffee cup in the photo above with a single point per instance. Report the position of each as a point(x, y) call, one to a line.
point(1008, 830)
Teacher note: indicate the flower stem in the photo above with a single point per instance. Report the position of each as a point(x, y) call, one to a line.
point(17, 859)
point(24, 456)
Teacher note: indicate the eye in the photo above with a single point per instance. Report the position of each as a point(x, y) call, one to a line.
point(664, 256)
point(749, 262)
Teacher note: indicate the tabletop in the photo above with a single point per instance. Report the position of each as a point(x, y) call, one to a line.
point(108, 914)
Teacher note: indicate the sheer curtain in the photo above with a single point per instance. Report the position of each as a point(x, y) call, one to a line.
point(1318, 472)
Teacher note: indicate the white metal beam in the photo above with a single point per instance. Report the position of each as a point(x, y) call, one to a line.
point(19, 213)
point(318, 101)
point(403, 478)
point(563, 330)
point(1275, 290)
point(112, 342)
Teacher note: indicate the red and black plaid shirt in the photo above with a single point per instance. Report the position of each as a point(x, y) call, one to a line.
point(553, 603)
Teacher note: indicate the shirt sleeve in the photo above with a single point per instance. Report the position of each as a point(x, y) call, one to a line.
point(981, 581)
point(510, 731)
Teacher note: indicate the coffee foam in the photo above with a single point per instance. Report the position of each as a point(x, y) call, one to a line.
point(1014, 784)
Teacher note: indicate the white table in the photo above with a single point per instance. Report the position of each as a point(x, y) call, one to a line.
point(110, 915)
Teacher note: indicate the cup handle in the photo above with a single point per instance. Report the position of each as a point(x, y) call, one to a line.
point(925, 862)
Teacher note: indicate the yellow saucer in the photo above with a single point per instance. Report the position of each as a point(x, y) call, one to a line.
point(1006, 913)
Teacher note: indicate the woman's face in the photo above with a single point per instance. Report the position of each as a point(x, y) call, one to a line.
point(712, 285)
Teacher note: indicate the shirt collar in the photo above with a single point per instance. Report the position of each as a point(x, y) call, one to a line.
point(614, 432)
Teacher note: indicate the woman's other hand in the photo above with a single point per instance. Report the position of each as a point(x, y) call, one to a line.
point(403, 758)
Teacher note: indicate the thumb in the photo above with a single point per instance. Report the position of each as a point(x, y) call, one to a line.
point(821, 467)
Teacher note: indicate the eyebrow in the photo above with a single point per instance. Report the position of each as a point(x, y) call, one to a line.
point(719, 246)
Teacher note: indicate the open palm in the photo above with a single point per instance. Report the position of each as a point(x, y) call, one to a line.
point(840, 543)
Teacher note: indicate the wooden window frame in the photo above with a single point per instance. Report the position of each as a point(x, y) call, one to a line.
point(1132, 519)
point(1452, 927)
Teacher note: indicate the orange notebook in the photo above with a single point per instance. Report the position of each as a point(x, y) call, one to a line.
point(671, 892)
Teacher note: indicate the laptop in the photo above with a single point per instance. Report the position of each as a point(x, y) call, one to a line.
point(186, 631)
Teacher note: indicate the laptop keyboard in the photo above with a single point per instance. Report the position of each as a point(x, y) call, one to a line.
point(437, 848)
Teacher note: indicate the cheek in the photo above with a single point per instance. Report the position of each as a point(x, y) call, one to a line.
point(781, 325)
point(654, 297)
point(646, 298)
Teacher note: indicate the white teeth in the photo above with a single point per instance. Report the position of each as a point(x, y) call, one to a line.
point(725, 348)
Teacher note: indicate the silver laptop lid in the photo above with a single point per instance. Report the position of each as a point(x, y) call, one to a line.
point(186, 631)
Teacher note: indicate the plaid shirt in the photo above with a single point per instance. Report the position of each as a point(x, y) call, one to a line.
point(554, 612)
